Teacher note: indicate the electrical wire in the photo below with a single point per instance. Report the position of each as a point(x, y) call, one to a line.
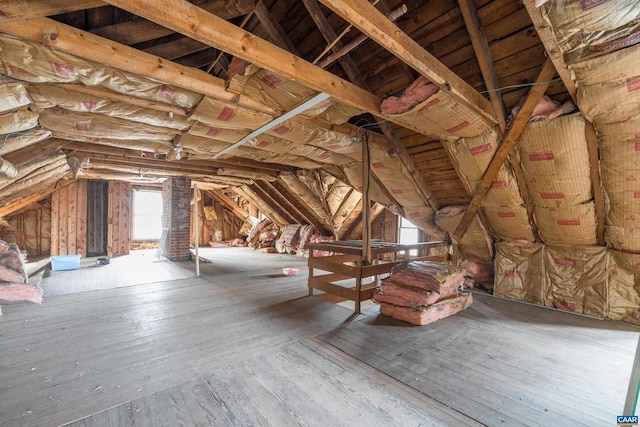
point(521, 85)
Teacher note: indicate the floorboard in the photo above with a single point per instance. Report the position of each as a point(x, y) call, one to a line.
point(245, 345)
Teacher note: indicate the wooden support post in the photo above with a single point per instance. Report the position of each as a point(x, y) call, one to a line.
point(510, 140)
point(551, 46)
point(195, 228)
point(592, 146)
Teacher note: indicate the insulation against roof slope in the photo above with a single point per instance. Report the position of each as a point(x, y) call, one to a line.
point(577, 278)
point(473, 156)
point(621, 182)
point(443, 116)
point(555, 161)
point(625, 239)
point(282, 146)
point(288, 241)
point(509, 222)
point(246, 174)
point(623, 277)
point(283, 94)
point(35, 63)
point(519, 272)
point(307, 196)
point(227, 135)
point(590, 27)
point(353, 174)
point(49, 96)
point(226, 115)
point(572, 225)
point(18, 121)
point(57, 167)
point(99, 126)
point(475, 245)
point(17, 141)
point(157, 147)
point(12, 95)
point(318, 137)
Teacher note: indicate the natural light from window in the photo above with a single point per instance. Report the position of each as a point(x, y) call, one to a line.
point(147, 215)
point(408, 234)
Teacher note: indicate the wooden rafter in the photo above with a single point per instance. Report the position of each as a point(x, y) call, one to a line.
point(248, 194)
point(275, 203)
point(592, 146)
point(507, 145)
point(223, 199)
point(176, 48)
point(356, 77)
point(11, 206)
point(15, 10)
point(551, 46)
point(192, 21)
point(273, 29)
point(485, 61)
point(373, 23)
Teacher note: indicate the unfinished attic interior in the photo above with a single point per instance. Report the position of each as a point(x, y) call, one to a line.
point(319, 212)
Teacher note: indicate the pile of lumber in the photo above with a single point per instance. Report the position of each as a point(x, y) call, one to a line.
point(421, 292)
point(13, 278)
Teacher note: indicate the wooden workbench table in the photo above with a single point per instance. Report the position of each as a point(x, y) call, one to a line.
point(350, 251)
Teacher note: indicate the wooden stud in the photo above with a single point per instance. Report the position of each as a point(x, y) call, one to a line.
point(81, 218)
point(180, 16)
point(15, 10)
point(72, 216)
point(273, 29)
point(373, 23)
point(551, 46)
point(509, 141)
point(592, 146)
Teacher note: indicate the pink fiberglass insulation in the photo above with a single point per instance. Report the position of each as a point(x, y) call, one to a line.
point(482, 274)
point(11, 264)
point(429, 314)
point(394, 293)
point(420, 90)
point(429, 276)
point(546, 109)
point(19, 292)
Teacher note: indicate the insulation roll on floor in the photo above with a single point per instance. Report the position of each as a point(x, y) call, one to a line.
point(421, 292)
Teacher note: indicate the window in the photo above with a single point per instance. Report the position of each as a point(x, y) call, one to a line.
point(147, 215)
point(408, 234)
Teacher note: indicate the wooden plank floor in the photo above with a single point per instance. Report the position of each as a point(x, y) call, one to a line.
point(135, 269)
point(504, 363)
point(244, 345)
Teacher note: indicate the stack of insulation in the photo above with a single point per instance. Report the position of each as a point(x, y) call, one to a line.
point(306, 232)
point(13, 278)
point(262, 236)
point(319, 238)
point(288, 241)
point(421, 292)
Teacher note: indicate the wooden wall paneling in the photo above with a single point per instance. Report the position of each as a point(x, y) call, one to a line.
point(81, 218)
point(72, 217)
point(63, 224)
point(55, 214)
point(110, 209)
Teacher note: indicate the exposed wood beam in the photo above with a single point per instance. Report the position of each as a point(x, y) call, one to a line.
point(592, 146)
point(15, 10)
point(356, 77)
point(19, 203)
point(551, 46)
point(374, 24)
point(118, 97)
point(275, 204)
point(304, 213)
point(273, 29)
point(222, 198)
point(248, 194)
point(177, 48)
point(185, 18)
point(141, 30)
point(86, 45)
point(485, 61)
point(285, 202)
point(507, 145)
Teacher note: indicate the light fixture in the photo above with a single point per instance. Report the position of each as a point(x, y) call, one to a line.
point(178, 149)
point(286, 116)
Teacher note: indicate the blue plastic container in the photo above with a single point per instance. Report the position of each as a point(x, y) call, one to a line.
point(65, 262)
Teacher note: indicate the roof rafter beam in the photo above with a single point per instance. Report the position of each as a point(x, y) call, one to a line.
point(551, 46)
point(507, 145)
point(373, 23)
point(485, 61)
point(16, 10)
